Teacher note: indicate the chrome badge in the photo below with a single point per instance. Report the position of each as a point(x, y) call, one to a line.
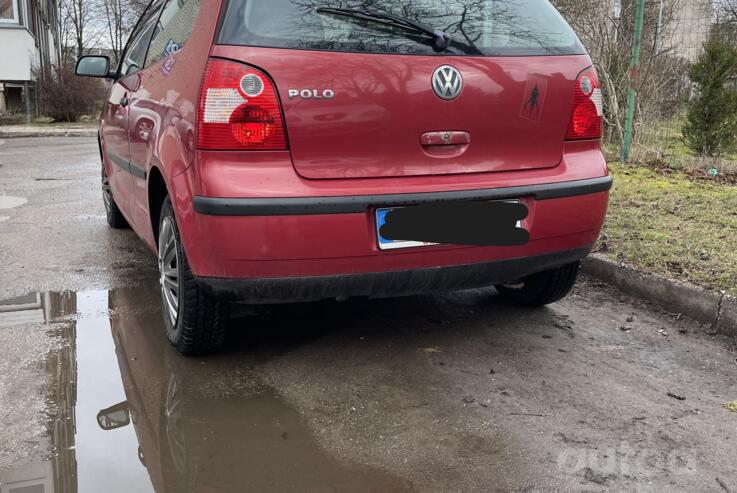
point(447, 82)
point(311, 93)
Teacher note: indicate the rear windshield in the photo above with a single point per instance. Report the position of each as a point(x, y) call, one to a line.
point(477, 27)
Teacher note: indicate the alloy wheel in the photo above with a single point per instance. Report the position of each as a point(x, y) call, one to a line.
point(169, 271)
point(175, 432)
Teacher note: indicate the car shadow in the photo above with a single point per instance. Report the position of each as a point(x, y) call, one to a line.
point(267, 331)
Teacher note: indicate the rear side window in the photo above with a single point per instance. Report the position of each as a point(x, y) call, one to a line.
point(135, 52)
point(477, 27)
point(174, 29)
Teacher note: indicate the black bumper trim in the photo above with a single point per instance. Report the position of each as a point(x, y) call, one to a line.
point(385, 284)
point(212, 206)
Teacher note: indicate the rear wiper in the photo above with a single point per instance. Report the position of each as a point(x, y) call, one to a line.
point(441, 39)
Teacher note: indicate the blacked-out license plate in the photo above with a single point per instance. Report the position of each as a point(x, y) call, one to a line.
point(388, 244)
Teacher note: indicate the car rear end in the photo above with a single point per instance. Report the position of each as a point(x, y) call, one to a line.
point(312, 126)
point(406, 148)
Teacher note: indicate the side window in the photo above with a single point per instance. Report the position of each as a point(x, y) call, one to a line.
point(135, 52)
point(174, 29)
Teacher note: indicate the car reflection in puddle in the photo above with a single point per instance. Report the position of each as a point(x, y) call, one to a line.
point(133, 415)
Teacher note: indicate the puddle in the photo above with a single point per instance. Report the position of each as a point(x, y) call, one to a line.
point(8, 202)
point(130, 414)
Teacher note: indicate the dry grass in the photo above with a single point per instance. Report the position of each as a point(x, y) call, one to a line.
point(671, 224)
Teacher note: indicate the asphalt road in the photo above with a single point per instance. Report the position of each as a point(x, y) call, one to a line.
point(452, 392)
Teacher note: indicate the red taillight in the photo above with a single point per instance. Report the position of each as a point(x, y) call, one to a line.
point(586, 121)
point(239, 110)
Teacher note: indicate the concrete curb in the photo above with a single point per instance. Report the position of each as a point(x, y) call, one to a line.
point(694, 302)
point(727, 323)
point(12, 133)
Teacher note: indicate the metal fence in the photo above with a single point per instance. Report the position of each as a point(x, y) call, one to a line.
point(643, 50)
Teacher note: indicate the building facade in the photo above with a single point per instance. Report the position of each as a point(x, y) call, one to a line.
point(688, 28)
point(28, 39)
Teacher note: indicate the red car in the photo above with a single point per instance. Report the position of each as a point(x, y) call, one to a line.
point(298, 150)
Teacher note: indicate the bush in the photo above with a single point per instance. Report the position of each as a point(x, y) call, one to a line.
point(65, 97)
point(711, 126)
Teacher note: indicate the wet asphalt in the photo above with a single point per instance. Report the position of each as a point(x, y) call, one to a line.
point(452, 392)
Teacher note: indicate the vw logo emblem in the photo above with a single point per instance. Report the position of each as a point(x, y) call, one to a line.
point(447, 82)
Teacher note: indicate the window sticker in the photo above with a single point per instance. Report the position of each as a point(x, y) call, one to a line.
point(534, 98)
point(168, 65)
point(171, 48)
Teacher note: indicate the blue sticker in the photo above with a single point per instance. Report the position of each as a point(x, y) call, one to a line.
point(168, 65)
point(171, 47)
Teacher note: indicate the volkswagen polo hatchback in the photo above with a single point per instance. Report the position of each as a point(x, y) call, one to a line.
point(297, 150)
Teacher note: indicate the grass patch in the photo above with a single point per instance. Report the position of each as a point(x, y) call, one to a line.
point(673, 225)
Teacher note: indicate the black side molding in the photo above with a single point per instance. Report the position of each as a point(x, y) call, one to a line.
point(119, 161)
point(357, 204)
point(138, 171)
point(134, 169)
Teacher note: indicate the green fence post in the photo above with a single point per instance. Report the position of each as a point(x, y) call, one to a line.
point(634, 74)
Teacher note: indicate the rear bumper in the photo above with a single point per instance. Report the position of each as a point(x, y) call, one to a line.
point(321, 245)
point(386, 284)
point(254, 225)
point(251, 217)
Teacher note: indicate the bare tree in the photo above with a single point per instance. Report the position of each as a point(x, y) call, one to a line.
point(120, 17)
point(81, 24)
point(64, 26)
point(727, 10)
point(80, 14)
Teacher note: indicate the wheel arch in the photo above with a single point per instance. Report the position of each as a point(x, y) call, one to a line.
point(157, 193)
point(100, 150)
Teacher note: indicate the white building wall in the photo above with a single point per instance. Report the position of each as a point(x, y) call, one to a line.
point(691, 27)
point(18, 53)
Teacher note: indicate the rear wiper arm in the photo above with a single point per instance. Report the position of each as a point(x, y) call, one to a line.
point(441, 39)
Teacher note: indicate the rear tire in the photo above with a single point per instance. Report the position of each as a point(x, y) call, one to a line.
point(115, 218)
point(543, 288)
point(195, 323)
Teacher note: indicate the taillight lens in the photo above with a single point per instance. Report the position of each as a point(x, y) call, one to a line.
point(588, 108)
point(239, 110)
